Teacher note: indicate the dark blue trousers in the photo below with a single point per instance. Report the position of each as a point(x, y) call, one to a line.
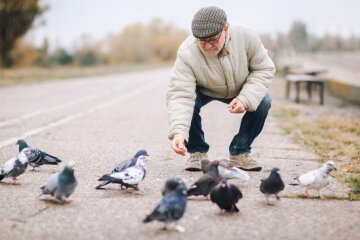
point(251, 125)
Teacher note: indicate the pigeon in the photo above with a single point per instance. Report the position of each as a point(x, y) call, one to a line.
point(14, 167)
point(37, 157)
point(172, 183)
point(130, 177)
point(124, 165)
point(272, 185)
point(173, 204)
point(225, 171)
point(226, 196)
point(62, 184)
point(316, 179)
point(207, 182)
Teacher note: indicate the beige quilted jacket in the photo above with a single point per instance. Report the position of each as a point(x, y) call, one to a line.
point(243, 69)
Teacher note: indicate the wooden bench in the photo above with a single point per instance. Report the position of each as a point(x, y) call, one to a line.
point(309, 80)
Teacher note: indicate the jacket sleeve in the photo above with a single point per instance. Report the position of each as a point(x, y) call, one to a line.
point(180, 98)
point(261, 73)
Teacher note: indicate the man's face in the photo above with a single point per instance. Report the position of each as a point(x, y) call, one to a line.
point(213, 46)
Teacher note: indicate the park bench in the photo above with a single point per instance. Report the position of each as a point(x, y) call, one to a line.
point(309, 80)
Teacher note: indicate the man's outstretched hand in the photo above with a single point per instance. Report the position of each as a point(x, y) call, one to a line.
point(178, 145)
point(236, 106)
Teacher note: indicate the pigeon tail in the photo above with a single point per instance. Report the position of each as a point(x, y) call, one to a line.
point(296, 181)
point(194, 191)
point(148, 219)
point(51, 160)
point(235, 208)
point(102, 184)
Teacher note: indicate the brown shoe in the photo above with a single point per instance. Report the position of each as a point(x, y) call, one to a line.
point(245, 162)
point(193, 163)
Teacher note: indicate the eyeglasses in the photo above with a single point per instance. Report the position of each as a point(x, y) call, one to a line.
point(212, 41)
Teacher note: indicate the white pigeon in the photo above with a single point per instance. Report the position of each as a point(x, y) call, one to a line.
point(316, 179)
point(130, 177)
point(14, 167)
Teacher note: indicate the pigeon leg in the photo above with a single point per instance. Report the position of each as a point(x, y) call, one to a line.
point(277, 197)
point(14, 181)
point(267, 200)
point(67, 201)
point(321, 196)
point(165, 227)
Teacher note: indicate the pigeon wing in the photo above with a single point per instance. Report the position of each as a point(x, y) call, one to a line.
point(307, 178)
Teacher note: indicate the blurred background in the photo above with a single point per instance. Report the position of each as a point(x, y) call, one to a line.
point(52, 39)
point(92, 33)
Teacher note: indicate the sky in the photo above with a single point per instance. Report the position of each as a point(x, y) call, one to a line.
point(67, 20)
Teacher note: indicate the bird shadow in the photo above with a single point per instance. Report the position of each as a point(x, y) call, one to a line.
point(10, 184)
point(225, 214)
point(52, 202)
point(115, 192)
point(203, 199)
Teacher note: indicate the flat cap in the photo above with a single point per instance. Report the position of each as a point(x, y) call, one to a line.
point(208, 22)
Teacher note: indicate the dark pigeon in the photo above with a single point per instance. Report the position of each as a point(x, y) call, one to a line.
point(37, 157)
point(14, 167)
point(61, 185)
point(225, 171)
point(124, 165)
point(272, 185)
point(172, 206)
point(226, 196)
point(207, 182)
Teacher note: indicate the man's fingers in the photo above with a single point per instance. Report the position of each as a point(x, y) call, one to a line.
point(232, 103)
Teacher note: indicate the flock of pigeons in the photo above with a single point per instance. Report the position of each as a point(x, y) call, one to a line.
point(129, 173)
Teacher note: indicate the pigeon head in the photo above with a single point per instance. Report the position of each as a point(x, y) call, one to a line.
point(141, 152)
point(205, 165)
point(173, 183)
point(223, 184)
point(329, 166)
point(67, 175)
point(275, 170)
point(22, 144)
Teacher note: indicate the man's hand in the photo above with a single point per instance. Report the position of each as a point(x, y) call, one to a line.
point(178, 145)
point(236, 106)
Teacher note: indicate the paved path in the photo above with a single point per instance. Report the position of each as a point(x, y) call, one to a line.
point(100, 121)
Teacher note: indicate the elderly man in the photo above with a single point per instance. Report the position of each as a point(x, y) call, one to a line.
point(222, 62)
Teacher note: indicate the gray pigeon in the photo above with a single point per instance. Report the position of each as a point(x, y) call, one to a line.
point(207, 182)
point(272, 185)
point(225, 171)
point(316, 179)
point(14, 167)
point(124, 165)
point(173, 204)
point(226, 196)
point(37, 157)
point(62, 184)
point(130, 177)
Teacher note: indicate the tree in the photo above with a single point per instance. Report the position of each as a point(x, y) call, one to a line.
point(298, 36)
point(16, 18)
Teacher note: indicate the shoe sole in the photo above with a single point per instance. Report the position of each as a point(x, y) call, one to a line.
point(255, 169)
point(192, 169)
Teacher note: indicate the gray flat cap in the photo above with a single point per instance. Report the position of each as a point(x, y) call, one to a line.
point(208, 22)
